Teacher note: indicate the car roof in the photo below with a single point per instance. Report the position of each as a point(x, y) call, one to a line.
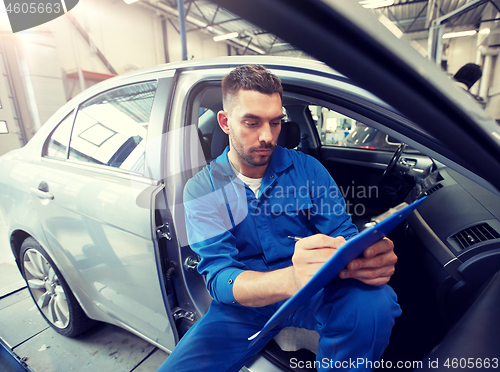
point(221, 62)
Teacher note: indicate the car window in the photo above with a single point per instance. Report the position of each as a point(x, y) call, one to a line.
point(110, 129)
point(57, 143)
point(336, 129)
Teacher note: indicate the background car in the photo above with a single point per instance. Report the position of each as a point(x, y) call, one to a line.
point(93, 203)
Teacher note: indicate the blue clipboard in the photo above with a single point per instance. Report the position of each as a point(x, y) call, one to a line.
point(382, 226)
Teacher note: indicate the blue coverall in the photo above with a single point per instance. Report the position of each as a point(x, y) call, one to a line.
point(232, 231)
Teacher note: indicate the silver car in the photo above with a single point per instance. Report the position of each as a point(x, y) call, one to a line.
point(93, 203)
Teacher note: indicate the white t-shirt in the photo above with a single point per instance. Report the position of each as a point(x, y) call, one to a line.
point(253, 183)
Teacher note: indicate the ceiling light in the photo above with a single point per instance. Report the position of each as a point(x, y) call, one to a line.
point(130, 1)
point(373, 4)
point(419, 48)
point(449, 35)
point(390, 26)
point(231, 35)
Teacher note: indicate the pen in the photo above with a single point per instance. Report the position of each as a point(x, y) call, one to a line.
point(296, 238)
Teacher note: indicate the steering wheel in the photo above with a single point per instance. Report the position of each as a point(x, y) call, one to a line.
point(392, 164)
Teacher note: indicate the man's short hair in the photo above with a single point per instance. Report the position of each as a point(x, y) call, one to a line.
point(250, 77)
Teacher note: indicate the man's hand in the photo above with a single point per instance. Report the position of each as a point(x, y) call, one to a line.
point(310, 254)
point(375, 267)
point(256, 289)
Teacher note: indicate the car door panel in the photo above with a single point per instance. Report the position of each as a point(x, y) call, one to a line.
point(103, 240)
point(365, 167)
point(102, 235)
point(356, 172)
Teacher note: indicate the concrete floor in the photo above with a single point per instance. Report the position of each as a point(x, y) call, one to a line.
point(22, 328)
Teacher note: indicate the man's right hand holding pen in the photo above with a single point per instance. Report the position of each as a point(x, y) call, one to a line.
point(256, 289)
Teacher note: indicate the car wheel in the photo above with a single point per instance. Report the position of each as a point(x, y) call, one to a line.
point(50, 291)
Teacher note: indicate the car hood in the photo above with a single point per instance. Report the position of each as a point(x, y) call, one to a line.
point(350, 39)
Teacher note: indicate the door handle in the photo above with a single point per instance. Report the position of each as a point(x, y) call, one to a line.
point(42, 194)
point(43, 191)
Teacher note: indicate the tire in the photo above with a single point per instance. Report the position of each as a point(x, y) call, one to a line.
point(51, 293)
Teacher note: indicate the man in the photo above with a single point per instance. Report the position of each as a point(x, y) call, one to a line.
point(241, 210)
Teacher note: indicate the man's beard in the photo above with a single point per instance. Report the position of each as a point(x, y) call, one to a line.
point(250, 157)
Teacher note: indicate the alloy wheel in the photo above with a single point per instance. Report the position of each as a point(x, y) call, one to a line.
point(46, 288)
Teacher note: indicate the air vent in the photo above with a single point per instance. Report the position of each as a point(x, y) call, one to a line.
point(434, 189)
point(475, 235)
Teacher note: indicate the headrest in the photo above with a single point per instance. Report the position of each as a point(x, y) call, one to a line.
point(290, 135)
point(220, 140)
point(468, 74)
point(205, 144)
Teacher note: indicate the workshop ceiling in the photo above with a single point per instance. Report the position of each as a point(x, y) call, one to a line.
point(202, 15)
point(410, 16)
point(417, 15)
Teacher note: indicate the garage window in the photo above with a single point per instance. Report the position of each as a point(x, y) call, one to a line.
point(110, 129)
point(3, 127)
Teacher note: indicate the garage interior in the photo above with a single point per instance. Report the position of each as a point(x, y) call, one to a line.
point(46, 66)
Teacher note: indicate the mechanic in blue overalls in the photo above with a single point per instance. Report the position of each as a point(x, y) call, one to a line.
point(240, 212)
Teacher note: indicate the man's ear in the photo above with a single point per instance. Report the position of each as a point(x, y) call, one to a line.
point(222, 118)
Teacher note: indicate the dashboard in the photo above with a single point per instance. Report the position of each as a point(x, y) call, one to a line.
point(459, 226)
